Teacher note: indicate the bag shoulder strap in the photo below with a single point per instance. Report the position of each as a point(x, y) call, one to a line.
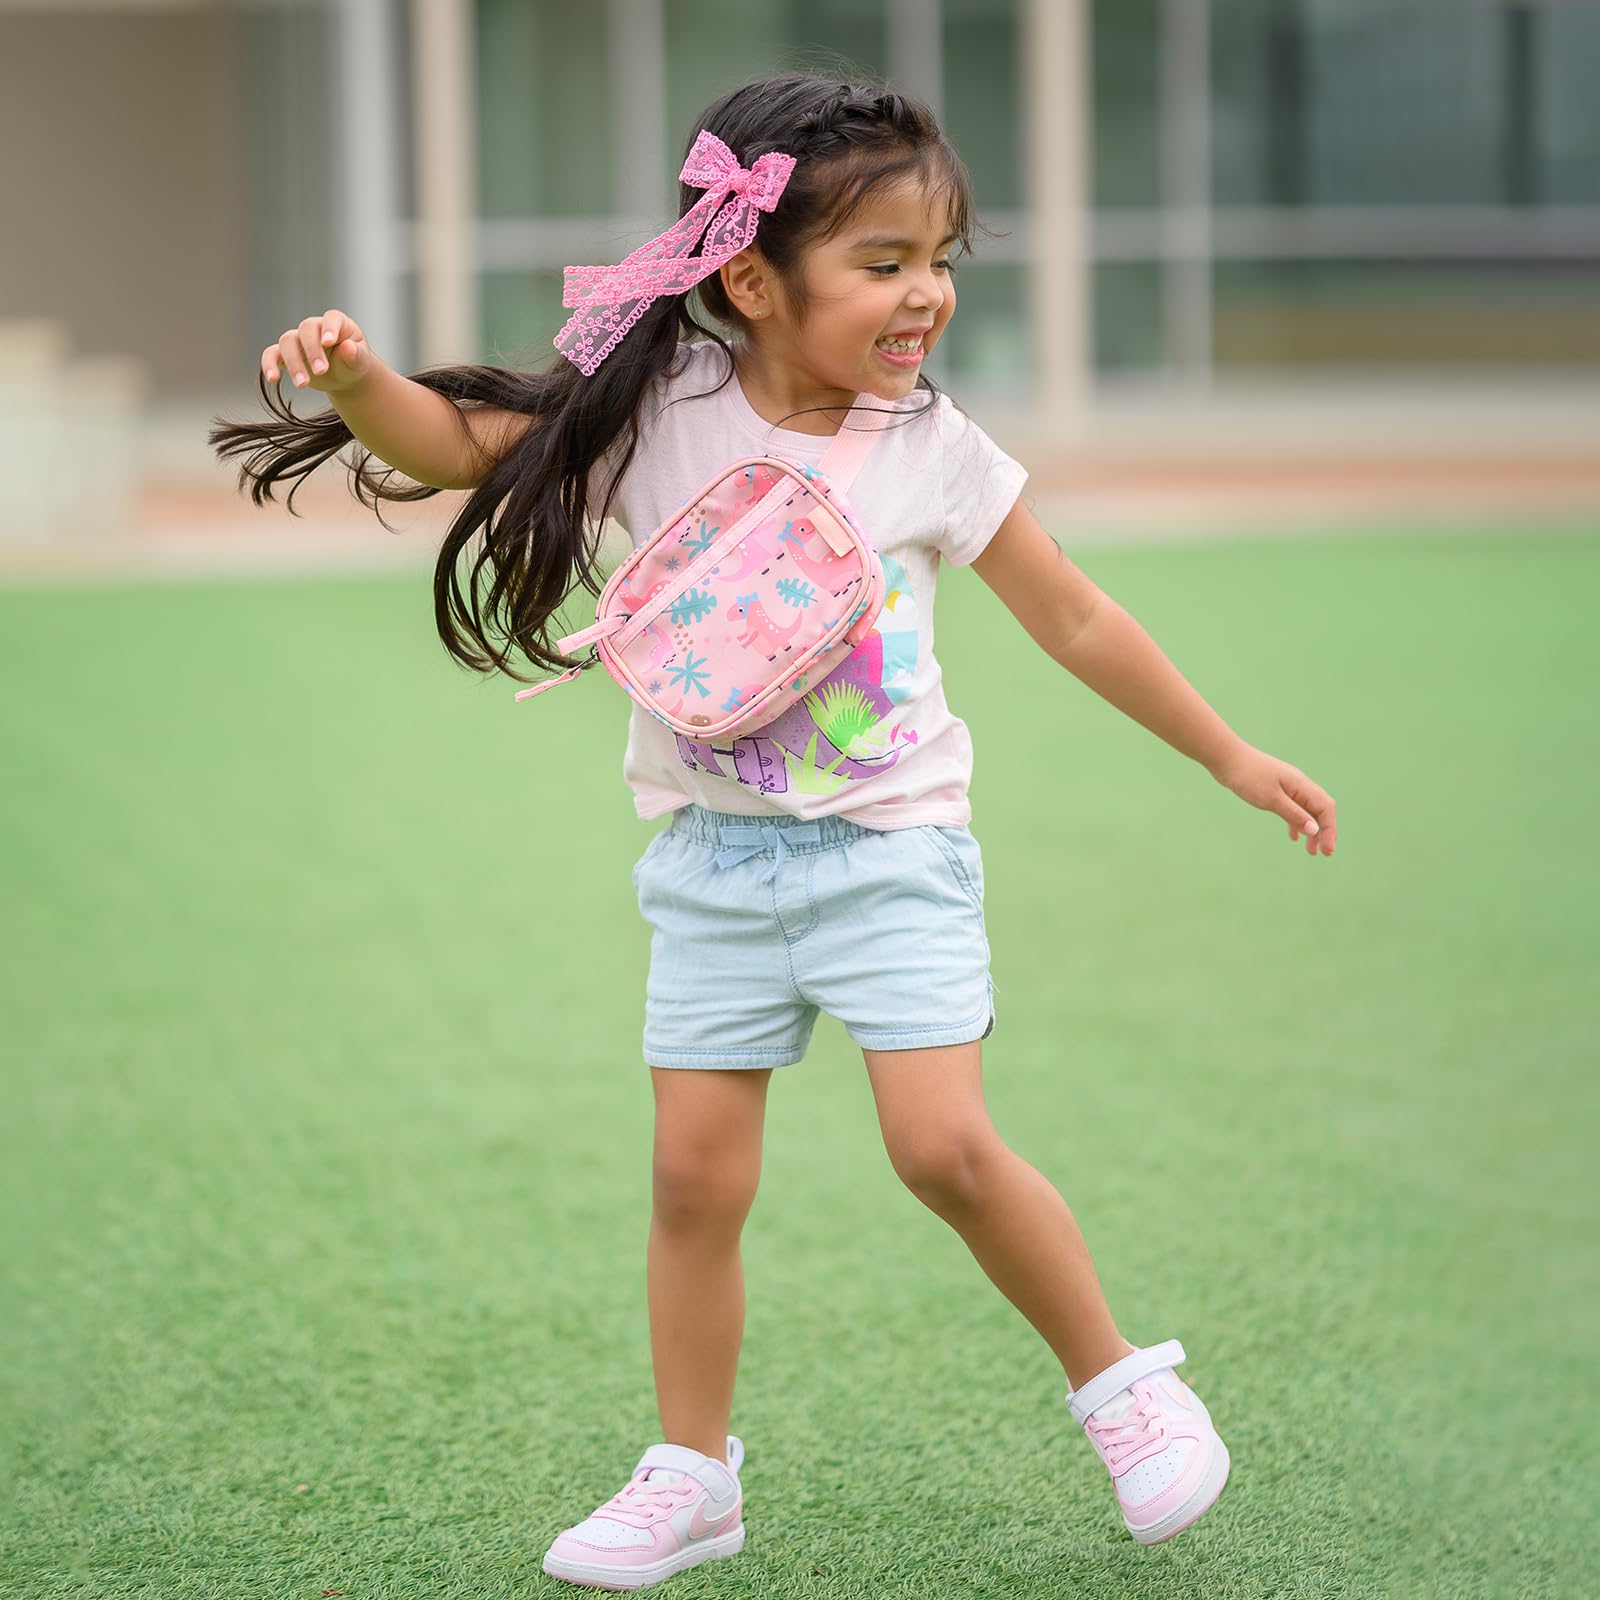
point(849, 448)
point(846, 453)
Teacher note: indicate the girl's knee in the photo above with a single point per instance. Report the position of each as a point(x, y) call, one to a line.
point(696, 1186)
point(945, 1167)
point(707, 1159)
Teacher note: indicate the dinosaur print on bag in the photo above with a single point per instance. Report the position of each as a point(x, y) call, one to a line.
point(843, 729)
point(761, 582)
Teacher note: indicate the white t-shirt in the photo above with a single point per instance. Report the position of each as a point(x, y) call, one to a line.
point(935, 486)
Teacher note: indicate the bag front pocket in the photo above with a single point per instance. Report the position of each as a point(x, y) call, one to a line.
point(730, 612)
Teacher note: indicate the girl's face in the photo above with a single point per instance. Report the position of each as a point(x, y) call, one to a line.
point(887, 273)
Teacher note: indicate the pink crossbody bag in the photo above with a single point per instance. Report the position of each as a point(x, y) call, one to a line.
point(749, 594)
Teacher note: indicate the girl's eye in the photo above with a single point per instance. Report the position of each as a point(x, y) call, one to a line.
point(947, 264)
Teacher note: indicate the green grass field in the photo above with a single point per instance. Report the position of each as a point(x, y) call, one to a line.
point(326, 1136)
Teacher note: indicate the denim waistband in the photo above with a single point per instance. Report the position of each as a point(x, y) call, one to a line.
point(736, 837)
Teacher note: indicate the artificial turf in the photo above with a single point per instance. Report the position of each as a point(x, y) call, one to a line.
point(326, 1145)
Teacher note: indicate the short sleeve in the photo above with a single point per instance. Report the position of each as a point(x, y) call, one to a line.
point(979, 483)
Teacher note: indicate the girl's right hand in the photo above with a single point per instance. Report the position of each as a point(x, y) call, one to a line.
point(328, 353)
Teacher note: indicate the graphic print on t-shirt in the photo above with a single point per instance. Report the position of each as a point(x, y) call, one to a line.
point(845, 729)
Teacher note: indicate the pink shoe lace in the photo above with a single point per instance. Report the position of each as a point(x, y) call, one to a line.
point(1123, 1437)
point(644, 1502)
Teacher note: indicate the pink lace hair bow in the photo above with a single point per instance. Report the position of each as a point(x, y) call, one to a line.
point(611, 299)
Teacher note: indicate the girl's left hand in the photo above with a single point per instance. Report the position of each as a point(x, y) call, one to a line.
point(1274, 785)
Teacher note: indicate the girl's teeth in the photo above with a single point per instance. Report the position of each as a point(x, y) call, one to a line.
point(900, 346)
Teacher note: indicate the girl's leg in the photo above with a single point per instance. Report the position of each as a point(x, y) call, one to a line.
point(706, 1168)
point(943, 1145)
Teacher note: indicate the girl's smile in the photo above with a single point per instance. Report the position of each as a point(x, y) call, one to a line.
point(881, 292)
point(897, 358)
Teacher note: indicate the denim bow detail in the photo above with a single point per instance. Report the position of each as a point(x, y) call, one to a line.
point(753, 840)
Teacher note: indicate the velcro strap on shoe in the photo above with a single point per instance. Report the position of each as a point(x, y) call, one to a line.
point(1084, 1402)
point(724, 1486)
point(680, 1458)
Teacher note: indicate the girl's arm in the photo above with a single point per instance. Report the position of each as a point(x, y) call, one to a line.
point(417, 430)
point(1077, 623)
point(422, 433)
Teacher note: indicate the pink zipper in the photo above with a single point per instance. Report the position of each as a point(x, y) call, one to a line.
point(790, 482)
point(819, 647)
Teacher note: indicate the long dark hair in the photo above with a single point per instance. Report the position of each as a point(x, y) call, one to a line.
point(851, 139)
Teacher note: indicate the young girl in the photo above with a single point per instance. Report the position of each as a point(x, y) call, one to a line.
point(826, 862)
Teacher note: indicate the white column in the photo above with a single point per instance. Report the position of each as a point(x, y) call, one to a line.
point(1055, 77)
point(1186, 223)
point(916, 49)
point(368, 132)
point(636, 47)
point(444, 120)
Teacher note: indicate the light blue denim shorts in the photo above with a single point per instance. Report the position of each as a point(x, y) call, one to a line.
point(759, 923)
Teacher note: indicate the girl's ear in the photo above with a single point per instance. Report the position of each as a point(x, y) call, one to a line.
point(748, 280)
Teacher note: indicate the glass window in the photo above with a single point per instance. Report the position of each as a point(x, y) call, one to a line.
point(289, 126)
point(1415, 102)
point(545, 144)
point(1128, 327)
point(983, 105)
point(1335, 314)
point(714, 45)
point(986, 342)
point(1404, 103)
point(1566, 50)
point(1126, 77)
point(1258, 136)
point(522, 313)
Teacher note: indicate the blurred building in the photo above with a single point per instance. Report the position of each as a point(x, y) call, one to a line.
point(1193, 202)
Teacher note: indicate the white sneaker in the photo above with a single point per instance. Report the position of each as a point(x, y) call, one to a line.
point(1153, 1433)
point(680, 1508)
